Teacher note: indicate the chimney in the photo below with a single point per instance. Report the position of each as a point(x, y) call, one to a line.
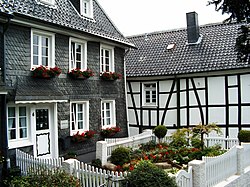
point(193, 31)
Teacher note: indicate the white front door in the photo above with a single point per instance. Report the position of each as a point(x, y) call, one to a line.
point(43, 132)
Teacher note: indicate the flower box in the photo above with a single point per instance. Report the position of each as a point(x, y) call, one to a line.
point(109, 132)
point(45, 72)
point(80, 74)
point(110, 76)
point(81, 137)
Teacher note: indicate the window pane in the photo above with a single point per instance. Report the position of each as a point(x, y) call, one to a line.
point(80, 117)
point(45, 41)
point(35, 39)
point(11, 123)
point(78, 48)
point(80, 107)
point(78, 57)
point(11, 112)
point(45, 61)
point(80, 125)
point(12, 134)
point(42, 119)
point(22, 122)
point(22, 111)
point(23, 133)
point(35, 50)
point(45, 51)
point(35, 60)
point(108, 113)
point(108, 121)
point(106, 53)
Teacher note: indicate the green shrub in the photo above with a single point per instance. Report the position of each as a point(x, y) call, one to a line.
point(179, 138)
point(160, 131)
point(45, 178)
point(244, 136)
point(147, 174)
point(148, 146)
point(120, 156)
point(96, 163)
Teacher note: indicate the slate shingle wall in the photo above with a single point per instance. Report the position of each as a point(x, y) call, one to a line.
point(93, 89)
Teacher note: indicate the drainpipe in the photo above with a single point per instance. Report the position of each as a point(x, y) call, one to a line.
point(4, 128)
point(125, 82)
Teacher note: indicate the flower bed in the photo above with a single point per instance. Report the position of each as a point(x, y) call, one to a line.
point(110, 76)
point(80, 74)
point(45, 72)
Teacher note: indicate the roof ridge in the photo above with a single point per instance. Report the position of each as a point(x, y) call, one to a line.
point(181, 29)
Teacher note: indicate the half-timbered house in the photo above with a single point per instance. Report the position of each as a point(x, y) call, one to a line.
point(183, 77)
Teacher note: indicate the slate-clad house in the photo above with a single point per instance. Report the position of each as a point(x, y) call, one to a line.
point(184, 77)
point(41, 114)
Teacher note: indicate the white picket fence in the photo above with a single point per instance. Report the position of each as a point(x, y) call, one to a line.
point(220, 167)
point(225, 143)
point(88, 175)
point(28, 163)
point(183, 178)
point(93, 177)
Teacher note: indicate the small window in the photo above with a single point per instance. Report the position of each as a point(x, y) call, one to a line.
point(79, 118)
point(42, 49)
point(108, 114)
point(150, 94)
point(106, 59)
point(17, 123)
point(87, 8)
point(78, 54)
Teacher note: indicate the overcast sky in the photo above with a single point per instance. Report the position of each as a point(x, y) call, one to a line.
point(133, 17)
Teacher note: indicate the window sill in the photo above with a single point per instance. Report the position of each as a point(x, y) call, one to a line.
point(150, 106)
point(19, 143)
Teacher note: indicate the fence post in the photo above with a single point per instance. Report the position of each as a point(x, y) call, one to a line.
point(69, 165)
point(199, 173)
point(240, 160)
point(101, 151)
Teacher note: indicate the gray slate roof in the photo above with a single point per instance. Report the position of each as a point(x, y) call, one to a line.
point(65, 14)
point(215, 52)
point(28, 88)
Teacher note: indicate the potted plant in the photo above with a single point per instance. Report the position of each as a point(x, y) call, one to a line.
point(45, 72)
point(110, 76)
point(109, 132)
point(81, 74)
point(81, 137)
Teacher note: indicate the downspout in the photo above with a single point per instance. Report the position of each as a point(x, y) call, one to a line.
point(4, 129)
point(126, 98)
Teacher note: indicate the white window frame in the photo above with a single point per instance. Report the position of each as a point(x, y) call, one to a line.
point(83, 43)
point(49, 2)
point(86, 8)
point(111, 59)
point(151, 103)
point(85, 117)
point(112, 114)
point(51, 47)
point(17, 118)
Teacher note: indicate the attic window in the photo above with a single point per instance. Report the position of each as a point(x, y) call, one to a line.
point(171, 46)
point(49, 2)
point(86, 8)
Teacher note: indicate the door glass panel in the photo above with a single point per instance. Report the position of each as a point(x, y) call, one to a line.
point(42, 119)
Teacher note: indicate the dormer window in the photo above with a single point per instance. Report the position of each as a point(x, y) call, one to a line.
point(49, 2)
point(86, 8)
